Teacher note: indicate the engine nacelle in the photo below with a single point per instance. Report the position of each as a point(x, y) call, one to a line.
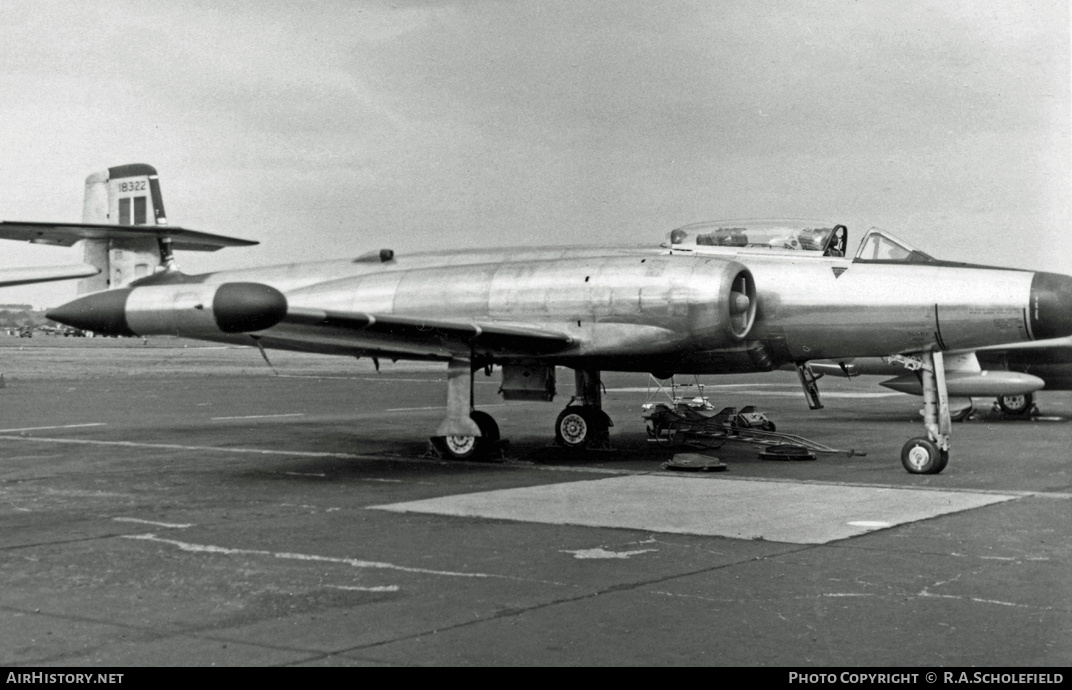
point(188, 309)
point(723, 312)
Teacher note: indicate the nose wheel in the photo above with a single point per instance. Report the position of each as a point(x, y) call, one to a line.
point(923, 456)
point(929, 454)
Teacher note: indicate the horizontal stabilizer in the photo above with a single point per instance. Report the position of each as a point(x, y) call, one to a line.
point(66, 234)
point(489, 335)
point(44, 274)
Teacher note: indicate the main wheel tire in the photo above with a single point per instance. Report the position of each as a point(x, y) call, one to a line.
point(1016, 404)
point(469, 447)
point(488, 427)
point(922, 456)
point(457, 447)
point(575, 427)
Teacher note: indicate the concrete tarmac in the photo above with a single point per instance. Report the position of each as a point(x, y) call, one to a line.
point(189, 506)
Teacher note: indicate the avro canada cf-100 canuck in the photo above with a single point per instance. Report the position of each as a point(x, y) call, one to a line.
point(1012, 374)
point(716, 298)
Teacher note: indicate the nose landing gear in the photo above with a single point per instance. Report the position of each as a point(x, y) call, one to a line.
point(922, 456)
point(930, 455)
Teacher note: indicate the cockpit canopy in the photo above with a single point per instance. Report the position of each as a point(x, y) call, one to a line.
point(824, 239)
point(879, 246)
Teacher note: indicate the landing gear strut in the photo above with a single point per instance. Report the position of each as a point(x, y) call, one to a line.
point(585, 425)
point(465, 433)
point(930, 455)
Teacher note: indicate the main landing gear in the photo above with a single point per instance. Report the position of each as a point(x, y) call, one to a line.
point(468, 434)
point(465, 433)
point(930, 455)
point(1017, 405)
point(470, 447)
point(585, 425)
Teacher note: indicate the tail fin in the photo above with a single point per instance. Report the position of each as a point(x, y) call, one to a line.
point(123, 195)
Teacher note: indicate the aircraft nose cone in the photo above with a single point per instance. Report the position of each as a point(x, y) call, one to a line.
point(246, 307)
point(100, 312)
point(1051, 306)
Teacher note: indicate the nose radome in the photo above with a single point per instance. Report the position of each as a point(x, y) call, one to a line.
point(101, 312)
point(1050, 311)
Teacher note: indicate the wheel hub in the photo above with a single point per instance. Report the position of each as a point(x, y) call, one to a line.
point(919, 457)
point(460, 444)
point(574, 428)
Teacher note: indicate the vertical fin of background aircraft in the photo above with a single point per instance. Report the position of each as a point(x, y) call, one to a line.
point(123, 195)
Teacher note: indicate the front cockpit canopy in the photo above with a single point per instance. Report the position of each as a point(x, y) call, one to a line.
point(824, 239)
point(880, 246)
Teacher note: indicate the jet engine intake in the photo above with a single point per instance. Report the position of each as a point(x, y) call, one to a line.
point(722, 311)
point(742, 304)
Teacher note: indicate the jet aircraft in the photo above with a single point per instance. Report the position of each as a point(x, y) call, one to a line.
point(724, 297)
point(124, 233)
point(1012, 374)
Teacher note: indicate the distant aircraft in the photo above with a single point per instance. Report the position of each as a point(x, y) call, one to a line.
point(1010, 373)
point(1049, 360)
point(124, 232)
point(717, 298)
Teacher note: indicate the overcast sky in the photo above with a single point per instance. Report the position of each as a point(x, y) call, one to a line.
point(326, 129)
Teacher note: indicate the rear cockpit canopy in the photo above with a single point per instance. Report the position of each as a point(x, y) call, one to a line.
point(810, 237)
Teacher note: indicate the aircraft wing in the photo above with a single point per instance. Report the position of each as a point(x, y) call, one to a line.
point(409, 330)
point(66, 234)
point(44, 274)
point(1033, 345)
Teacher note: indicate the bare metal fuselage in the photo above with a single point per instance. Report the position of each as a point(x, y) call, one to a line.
point(720, 297)
point(640, 309)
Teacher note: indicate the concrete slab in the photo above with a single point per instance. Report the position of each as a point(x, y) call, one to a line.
point(774, 511)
